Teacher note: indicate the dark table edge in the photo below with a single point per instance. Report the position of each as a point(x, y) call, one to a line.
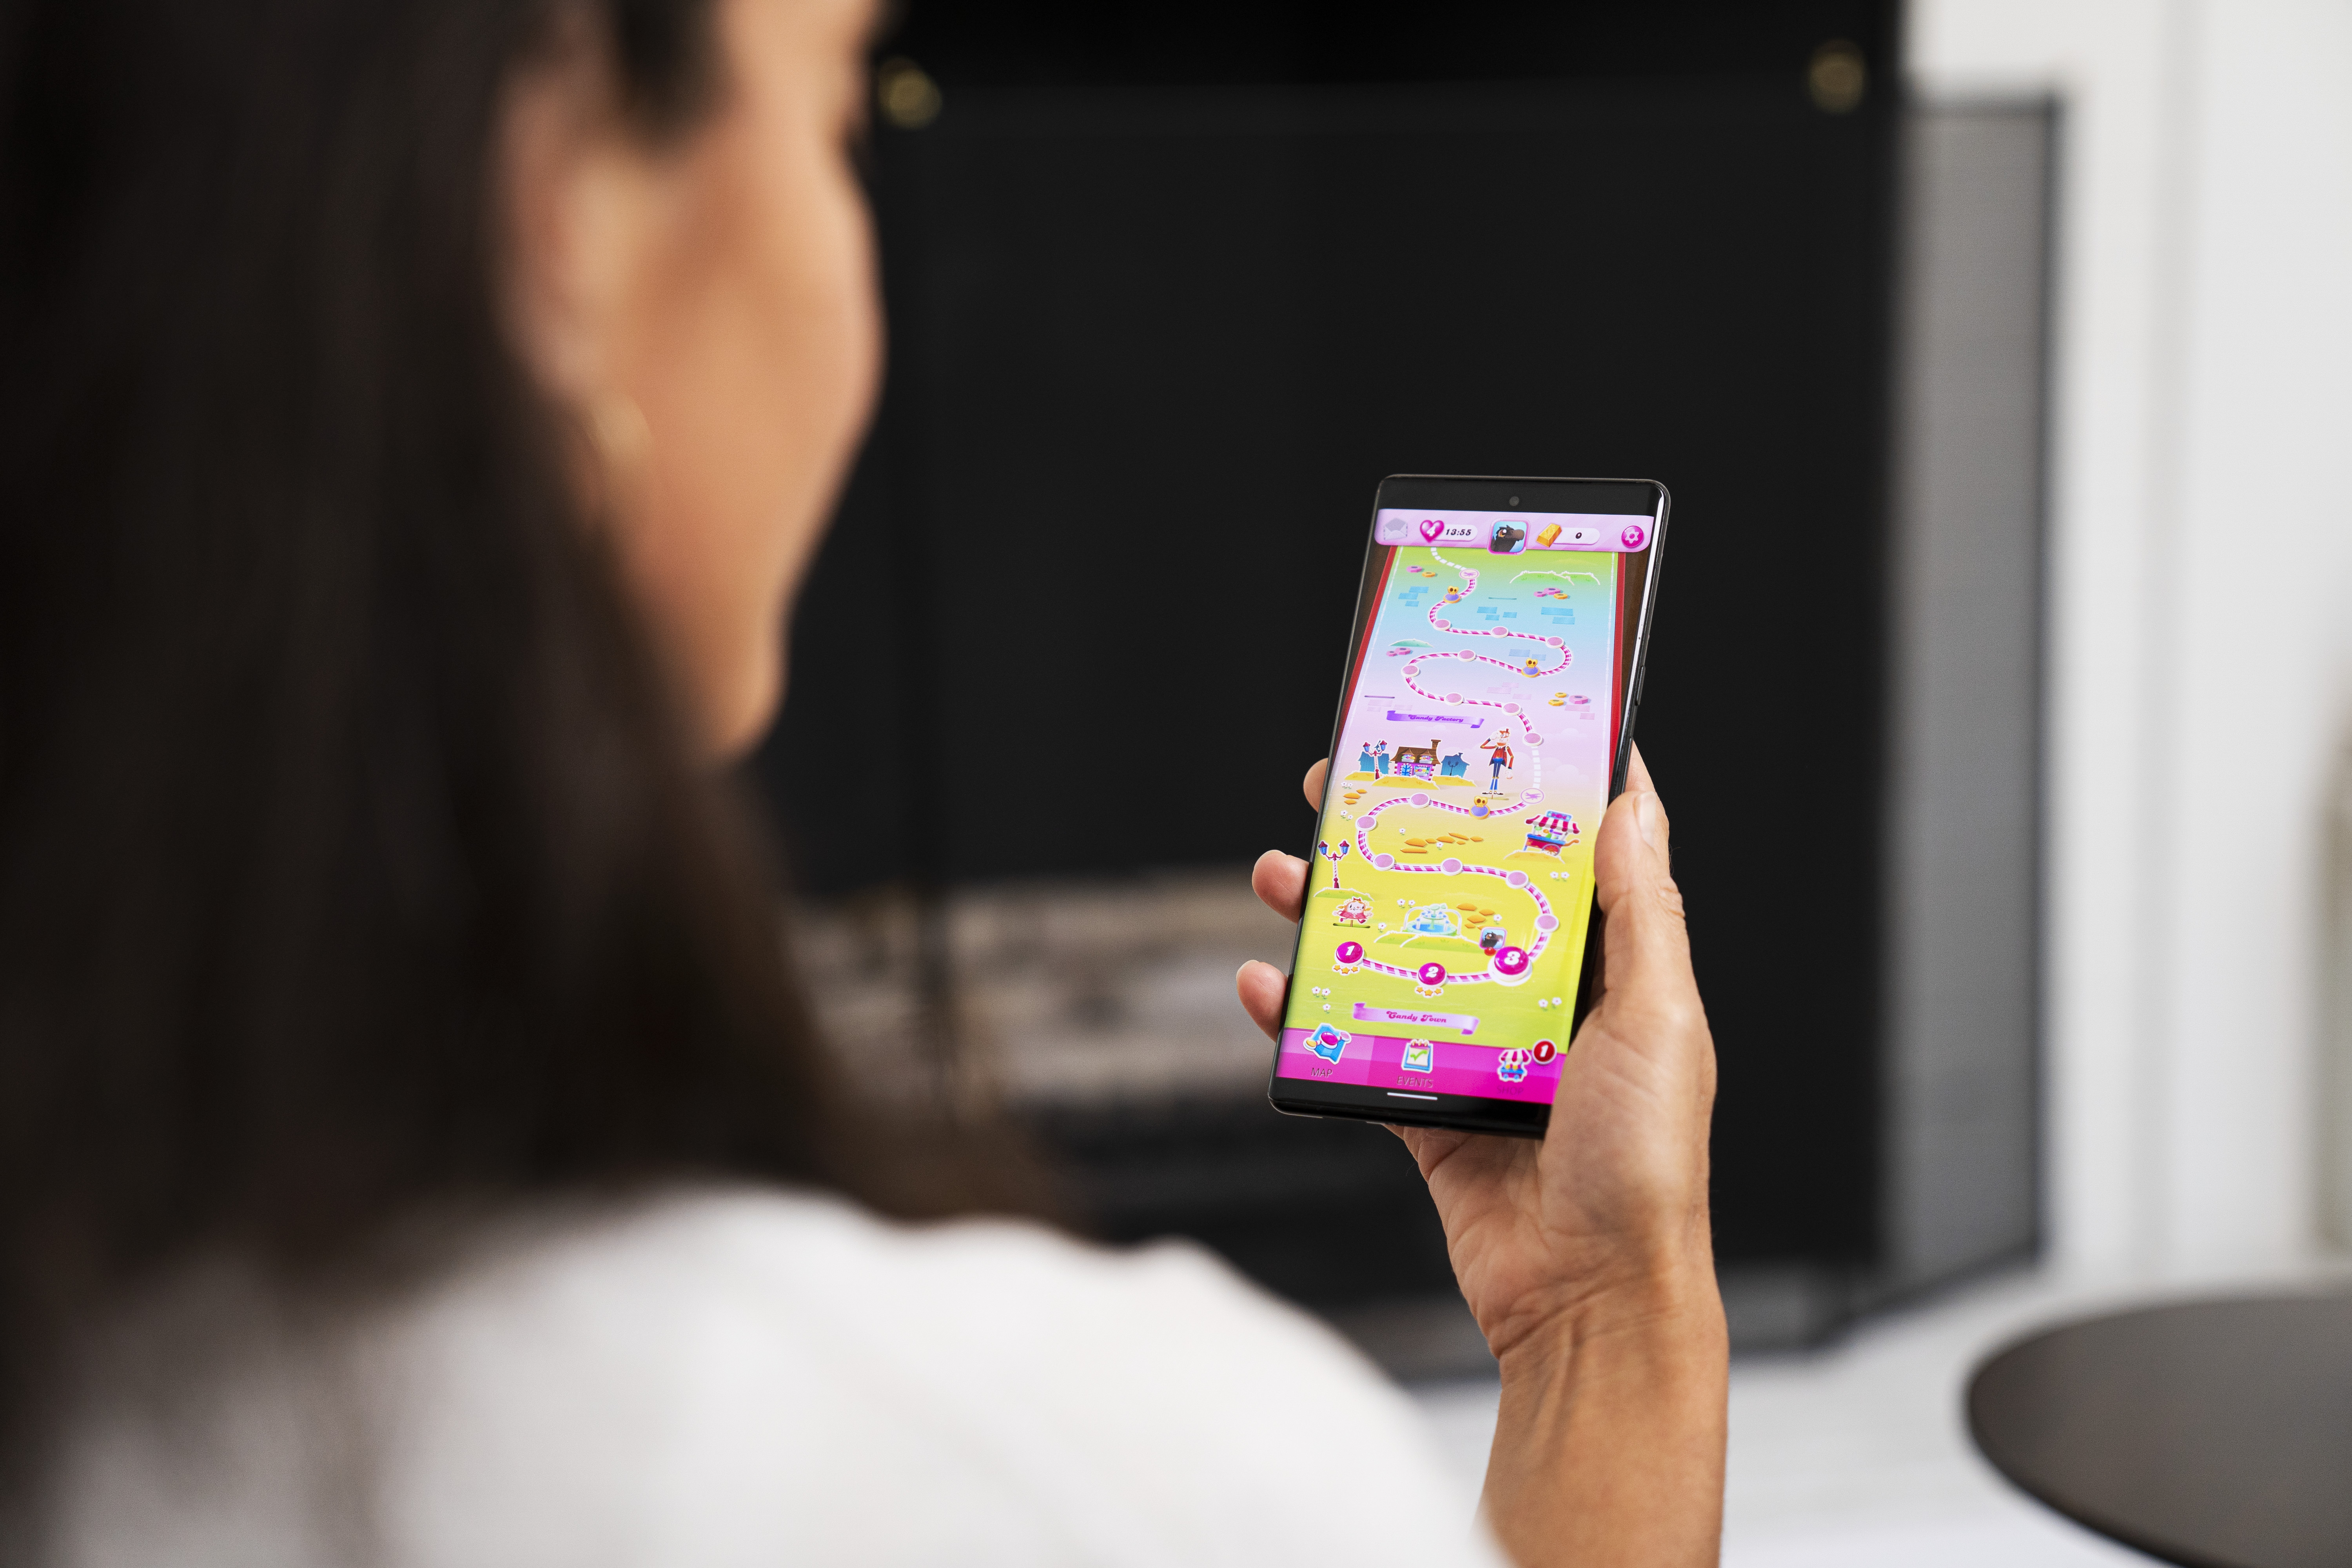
point(2089, 1519)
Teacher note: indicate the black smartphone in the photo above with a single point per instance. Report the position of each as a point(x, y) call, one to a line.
point(1485, 722)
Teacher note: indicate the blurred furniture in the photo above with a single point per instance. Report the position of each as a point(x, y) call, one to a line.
point(1171, 287)
point(2210, 1434)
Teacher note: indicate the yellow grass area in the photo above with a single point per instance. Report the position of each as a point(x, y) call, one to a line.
point(1509, 1014)
point(1421, 939)
point(1424, 836)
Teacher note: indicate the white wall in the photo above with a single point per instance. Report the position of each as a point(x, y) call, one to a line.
point(2201, 601)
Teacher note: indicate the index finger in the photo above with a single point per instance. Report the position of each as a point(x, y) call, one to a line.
point(1280, 880)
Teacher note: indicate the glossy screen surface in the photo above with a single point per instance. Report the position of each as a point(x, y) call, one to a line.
point(1452, 885)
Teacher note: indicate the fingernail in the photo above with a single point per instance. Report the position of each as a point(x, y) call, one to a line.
point(1650, 818)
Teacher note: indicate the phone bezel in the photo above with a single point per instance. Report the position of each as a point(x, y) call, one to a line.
point(1483, 493)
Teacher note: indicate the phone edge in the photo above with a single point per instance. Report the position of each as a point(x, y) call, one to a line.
point(1361, 626)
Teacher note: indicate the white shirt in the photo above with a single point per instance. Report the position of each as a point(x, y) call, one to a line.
point(740, 1378)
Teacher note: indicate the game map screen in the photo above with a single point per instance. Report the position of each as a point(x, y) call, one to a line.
point(1449, 896)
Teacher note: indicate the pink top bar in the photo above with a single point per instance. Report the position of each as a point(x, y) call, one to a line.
point(1615, 533)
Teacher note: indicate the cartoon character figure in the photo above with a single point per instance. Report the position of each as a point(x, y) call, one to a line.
point(1534, 667)
point(1453, 594)
point(1356, 911)
point(1490, 940)
point(1499, 757)
point(1330, 1044)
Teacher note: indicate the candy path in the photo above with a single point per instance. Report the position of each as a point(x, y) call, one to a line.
point(1546, 920)
point(1519, 882)
point(1549, 645)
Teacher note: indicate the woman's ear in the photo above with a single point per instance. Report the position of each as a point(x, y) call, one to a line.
point(702, 302)
point(580, 199)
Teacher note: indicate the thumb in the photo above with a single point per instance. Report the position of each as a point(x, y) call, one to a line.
point(1645, 953)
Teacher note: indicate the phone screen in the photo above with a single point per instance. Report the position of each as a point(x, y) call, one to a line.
point(1450, 892)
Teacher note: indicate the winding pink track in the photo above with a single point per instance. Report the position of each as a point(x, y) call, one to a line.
point(1412, 671)
point(1370, 819)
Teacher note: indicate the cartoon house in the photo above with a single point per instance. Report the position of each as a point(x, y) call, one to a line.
point(1356, 911)
point(1433, 920)
point(1416, 762)
point(1552, 832)
point(1453, 767)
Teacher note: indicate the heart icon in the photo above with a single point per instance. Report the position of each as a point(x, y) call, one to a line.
point(1430, 529)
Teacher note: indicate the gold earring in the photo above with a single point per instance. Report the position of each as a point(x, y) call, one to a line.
point(624, 448)
point(624, 440)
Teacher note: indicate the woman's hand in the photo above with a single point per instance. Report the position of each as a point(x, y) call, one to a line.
point(1587, 1258)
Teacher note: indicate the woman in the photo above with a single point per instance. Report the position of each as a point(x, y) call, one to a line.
point(417, 415)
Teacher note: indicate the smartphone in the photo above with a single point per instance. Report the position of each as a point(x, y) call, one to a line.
point(1485, 722)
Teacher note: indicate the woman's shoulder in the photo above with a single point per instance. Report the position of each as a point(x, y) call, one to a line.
point(720, 1376)
point(818, 1272)
point(821, 1285)
point(983, 1390)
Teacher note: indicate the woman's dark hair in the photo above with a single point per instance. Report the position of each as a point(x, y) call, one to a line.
point(351, 860)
